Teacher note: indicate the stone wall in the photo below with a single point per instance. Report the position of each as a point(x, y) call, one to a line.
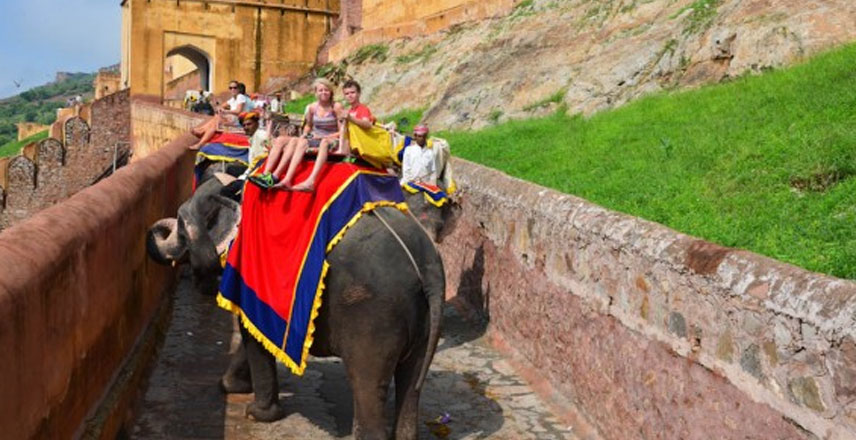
point(153, 125)
point(647, 332)
point(78, 292)
point(250, 41)
point(59, 166)
point(383, 20)
point(106, 83)
point(27, 129)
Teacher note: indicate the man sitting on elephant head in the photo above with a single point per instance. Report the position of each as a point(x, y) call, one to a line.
point(426, 160)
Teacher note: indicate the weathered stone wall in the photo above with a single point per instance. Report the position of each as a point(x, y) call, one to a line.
point(153, 125)
point(27, 129)
point(106, 83)
point(78, 292)
point(57, 167)
point(249, 41)
point(384, 20)
point(648, 332)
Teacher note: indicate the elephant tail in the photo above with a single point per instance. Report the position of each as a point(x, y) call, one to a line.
point(435, 291)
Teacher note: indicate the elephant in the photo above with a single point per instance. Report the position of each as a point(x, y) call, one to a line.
point(381, 311)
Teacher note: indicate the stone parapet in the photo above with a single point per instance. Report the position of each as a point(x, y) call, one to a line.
point(154, 125)
point(384, 20)
point(79, 290)
point(648, 332)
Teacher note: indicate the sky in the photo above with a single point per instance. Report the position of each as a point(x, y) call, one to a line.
point(40, 37)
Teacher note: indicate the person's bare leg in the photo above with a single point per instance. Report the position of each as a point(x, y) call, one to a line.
point(297, 154)
point(308, 185)
point(200, 129)
point(210, 130)
point(276, 155)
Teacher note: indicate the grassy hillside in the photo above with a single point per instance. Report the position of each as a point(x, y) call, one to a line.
point(12, 148)
point(762, 163)
point(39, 104)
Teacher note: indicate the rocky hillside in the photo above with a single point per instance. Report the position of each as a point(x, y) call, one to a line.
point(588, 55)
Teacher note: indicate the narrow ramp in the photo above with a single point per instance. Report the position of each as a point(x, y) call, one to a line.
point(469, 382)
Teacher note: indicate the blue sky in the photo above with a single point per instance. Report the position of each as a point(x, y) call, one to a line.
point(40, 37)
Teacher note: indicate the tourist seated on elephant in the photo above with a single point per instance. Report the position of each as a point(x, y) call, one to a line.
point(357, 114)
point(227, 113)
point(425, 160)
point(321, 130)
point(260, 138)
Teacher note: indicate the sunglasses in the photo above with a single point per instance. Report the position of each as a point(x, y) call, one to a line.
point(233, 88)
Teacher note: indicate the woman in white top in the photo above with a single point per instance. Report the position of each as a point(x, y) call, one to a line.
point(227, 113)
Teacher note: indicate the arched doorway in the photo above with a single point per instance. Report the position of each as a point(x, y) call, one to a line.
point(186, 68)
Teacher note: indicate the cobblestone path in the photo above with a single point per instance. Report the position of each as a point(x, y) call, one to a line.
point(468, 381)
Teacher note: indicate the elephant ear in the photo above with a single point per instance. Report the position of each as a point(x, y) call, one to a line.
point(164, 242)
point(223, 225)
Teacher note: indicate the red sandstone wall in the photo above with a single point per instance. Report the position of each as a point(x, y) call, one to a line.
point(78, 289)
point(649, 333)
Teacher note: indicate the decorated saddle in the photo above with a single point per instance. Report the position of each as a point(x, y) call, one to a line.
point(274, 272)
point(223, 147)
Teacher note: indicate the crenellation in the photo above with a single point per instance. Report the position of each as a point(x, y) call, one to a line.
point(75, 155)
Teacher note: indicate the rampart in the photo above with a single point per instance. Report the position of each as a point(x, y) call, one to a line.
point(27, 129)
point(647, 332)
point(374, 21)
point(74, 157)
point(153, 125)
point(78, 293)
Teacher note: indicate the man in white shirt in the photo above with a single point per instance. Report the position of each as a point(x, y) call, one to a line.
point(426, 161)
point(259, 137)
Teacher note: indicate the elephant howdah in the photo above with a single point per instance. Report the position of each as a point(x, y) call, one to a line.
point(381, 308)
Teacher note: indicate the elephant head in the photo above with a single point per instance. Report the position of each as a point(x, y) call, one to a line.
point(205, 226)
point(437, 222)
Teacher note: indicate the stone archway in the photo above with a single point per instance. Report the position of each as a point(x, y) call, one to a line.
point(178, 77)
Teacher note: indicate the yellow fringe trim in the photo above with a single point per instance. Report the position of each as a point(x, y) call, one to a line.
point(434, 202)
point(217, 158)
point(266, 343)
point(367, 207)
point(427, 197)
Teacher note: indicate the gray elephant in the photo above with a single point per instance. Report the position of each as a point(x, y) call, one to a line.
point(381, 311)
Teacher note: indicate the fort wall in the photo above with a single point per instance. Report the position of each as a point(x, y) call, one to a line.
point(75, 156)
point(81, 293)
point(250, 41)
point(27, 129)
point(375, 21)
point(646, 332)
point(153, 126)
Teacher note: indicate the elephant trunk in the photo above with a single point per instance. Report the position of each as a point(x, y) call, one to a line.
point(165, 244)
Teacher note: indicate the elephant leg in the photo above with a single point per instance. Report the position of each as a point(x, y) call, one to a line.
point(265, 407)
point(407, 396)
point(237, 377)
point(370, 385)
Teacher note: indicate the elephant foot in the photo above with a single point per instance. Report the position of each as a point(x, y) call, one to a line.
point(235, 385)
point(269, 414)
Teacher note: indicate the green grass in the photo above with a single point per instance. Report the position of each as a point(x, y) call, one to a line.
point(421, 55)
point(299, 105)
point(13, 148)
point(405, 119)
point(765, 163)
point(371, 52)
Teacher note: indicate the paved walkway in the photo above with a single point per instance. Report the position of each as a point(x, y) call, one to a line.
point(468, 381)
